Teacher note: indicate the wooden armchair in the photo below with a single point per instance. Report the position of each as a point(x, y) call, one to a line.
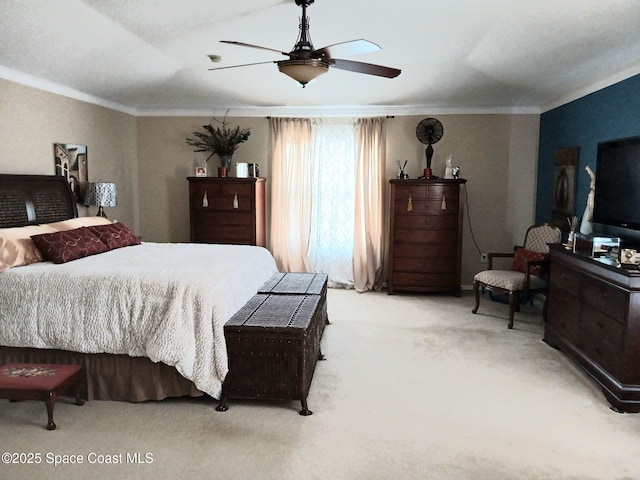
point(528, 273)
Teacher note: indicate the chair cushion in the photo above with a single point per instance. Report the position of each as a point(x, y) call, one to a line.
point(522, 255)
point(508, 280)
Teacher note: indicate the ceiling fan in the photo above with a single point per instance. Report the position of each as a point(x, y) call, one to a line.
point(306, 62)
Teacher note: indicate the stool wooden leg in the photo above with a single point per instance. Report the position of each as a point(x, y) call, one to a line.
point(50, 401)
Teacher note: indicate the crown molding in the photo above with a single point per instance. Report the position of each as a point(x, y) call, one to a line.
point(56, 88)
point(338, 111)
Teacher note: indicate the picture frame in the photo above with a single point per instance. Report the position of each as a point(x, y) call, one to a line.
point(201, 171)
point(564, 186)
point(71, 162)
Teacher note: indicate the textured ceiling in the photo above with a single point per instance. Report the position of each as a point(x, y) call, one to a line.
point(150, 56)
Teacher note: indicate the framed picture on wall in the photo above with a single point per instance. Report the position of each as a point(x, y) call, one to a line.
point(564, 186)
point(71, 162)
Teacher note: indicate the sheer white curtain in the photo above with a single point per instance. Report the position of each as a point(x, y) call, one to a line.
point(290, 193)
point(327, 198)
point(333, 159)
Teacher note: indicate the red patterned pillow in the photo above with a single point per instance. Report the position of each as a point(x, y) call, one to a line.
point(115, 235)
point(522, 255)
point(61, 247)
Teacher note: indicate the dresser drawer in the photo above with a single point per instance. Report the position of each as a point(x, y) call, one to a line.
point(604, 297)
point(601, 338)
point(601, 327)
point(421, 250)
point(425, 265)
point(213, 218)
point(221, 196)
point(568, 280)
point(564, 314)
point(418, 192)
point(425, 236)
point(426, 207)
point(230, 234)
point(433, 281)
point(408, 221)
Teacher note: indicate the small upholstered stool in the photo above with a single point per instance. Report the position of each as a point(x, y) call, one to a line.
point(40, 381)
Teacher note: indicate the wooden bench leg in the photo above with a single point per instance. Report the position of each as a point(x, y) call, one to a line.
point(305, 412)
point(222, 404)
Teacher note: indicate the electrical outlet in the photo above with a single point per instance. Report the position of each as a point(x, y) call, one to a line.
point(483, 258)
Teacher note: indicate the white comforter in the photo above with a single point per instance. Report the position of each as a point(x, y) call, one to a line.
point(168, 302)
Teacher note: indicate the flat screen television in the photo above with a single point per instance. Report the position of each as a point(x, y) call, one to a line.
point(617, 194)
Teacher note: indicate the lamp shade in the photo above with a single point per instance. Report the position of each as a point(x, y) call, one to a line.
point(102, 194)
point(303, 71)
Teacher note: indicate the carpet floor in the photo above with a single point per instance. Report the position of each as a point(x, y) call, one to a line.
point(414, 387)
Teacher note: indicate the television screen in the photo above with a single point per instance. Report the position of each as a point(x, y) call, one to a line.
point(617, 195)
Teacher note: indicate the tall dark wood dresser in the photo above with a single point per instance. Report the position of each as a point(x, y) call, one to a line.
point(425, 238)
point(227, 210)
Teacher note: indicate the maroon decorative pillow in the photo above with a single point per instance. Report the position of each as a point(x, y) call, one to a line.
point(61, 247)
point(522, 255)
point(115, 235)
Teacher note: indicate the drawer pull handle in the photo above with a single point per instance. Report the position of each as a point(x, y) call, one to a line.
point(205, 200)
point(443, 205)
point(235, 200)
point(410, 205)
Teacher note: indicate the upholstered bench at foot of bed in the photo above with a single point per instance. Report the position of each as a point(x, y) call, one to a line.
point(273, 343)
point(40, 381)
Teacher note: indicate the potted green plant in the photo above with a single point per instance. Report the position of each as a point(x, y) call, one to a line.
point(221, 140)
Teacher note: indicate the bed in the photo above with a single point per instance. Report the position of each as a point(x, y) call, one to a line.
point(145, 320)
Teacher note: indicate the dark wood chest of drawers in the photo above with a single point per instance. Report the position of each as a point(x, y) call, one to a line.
point(425, 239)
point(594, 317)
point(227, 210)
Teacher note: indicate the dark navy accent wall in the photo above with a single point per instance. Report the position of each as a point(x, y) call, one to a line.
point(610, 113)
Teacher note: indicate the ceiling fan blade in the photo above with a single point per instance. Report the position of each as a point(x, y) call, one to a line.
point(243, 65)
point(368, 68)
point(346, 49)
point(242, 44)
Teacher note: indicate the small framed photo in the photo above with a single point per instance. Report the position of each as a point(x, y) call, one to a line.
point(201, 171)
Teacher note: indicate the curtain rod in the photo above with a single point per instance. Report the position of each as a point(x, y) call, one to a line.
point(268, 117)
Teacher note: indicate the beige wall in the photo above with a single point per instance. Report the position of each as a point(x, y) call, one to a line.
point(497, 155)
point(32, 120)
point(149, 160)
point(165, 161)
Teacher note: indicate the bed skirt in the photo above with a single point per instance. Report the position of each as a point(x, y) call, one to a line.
point(112, 377)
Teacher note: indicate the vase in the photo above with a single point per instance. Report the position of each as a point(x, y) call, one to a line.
point(225, 161)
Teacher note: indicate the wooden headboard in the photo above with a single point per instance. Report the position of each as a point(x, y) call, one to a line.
point(34, 199)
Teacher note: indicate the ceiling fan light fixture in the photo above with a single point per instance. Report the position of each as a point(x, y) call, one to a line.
point(303, 71)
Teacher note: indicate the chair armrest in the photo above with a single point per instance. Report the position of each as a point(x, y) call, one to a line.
point(528, 264)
